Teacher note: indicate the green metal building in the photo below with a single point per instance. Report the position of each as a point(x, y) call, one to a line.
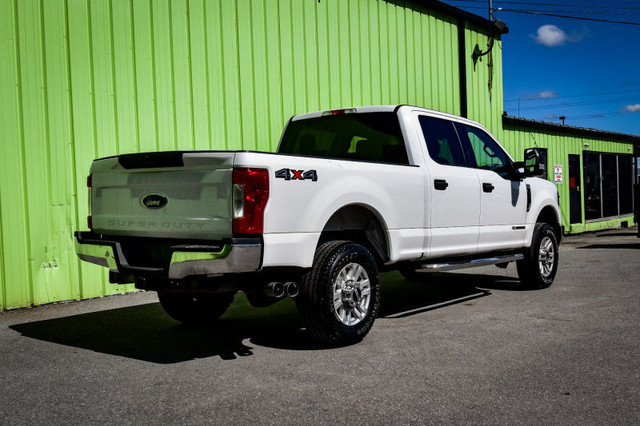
point(81, 79)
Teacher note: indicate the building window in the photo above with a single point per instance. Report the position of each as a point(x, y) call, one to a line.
point(544, 162)
point(608, 185)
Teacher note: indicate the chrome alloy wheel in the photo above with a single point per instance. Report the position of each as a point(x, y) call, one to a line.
point(546, 257)
point(351, 294)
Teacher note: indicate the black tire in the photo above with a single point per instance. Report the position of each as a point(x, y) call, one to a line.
point(335, 270)
point(195, 309)
point(538, 268)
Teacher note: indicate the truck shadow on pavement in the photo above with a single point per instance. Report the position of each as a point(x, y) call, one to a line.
point(146, 333)
point(627, 246)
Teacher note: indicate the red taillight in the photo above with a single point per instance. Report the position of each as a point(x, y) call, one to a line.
point(250, 196)
point(89, 181)
point(90, 222)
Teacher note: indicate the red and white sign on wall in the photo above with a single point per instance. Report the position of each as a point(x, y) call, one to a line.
point(557, 173)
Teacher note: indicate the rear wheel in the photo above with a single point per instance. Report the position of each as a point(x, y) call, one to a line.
point(538, 268)
point(195, 308)
point(340, 295)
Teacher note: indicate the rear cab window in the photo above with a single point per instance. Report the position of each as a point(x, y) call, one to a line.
point(372, 136)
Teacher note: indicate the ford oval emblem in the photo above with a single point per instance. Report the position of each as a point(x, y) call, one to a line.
point(154, 201)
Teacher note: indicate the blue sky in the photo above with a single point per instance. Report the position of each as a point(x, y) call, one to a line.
point(586, 71)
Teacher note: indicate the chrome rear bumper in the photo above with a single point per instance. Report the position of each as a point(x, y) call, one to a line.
point(239, 255)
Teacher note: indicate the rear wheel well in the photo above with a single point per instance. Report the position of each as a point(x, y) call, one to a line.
point(548, 215)
point(359, 224)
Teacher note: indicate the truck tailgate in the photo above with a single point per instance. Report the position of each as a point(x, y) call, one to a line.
point(163, 194)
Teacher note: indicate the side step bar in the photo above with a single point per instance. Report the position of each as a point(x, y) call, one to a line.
point(461, 264)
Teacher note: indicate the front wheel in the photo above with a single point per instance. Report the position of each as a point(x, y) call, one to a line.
point(340, 295)
point(195, 308)
point(538, 268)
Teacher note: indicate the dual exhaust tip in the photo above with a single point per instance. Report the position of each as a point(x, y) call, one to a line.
point(279, 290)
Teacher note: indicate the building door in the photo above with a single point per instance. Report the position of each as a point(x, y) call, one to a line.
point(575, 194)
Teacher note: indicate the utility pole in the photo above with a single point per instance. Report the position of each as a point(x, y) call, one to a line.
point(491, 10)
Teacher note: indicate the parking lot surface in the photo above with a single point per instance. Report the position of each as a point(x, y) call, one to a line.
point(464, 347)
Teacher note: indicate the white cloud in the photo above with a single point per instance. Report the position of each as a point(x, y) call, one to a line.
point(632, 108)
point(551, 117)
point(545, 94)
point(551, 35)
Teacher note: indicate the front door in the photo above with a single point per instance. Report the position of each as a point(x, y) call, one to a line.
point(575, 189)
point(503, 202)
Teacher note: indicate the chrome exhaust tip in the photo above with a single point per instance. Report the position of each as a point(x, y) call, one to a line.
point(292, 289)
point(275, 289)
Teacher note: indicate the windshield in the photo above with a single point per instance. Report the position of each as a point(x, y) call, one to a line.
point(374, 136)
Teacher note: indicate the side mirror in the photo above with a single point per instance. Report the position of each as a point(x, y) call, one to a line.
point(532, 162)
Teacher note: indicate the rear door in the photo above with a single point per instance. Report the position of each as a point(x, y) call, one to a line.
point(453, 197)
point(503, 202)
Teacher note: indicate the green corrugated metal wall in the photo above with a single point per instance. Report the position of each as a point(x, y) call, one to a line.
point(88, 78)
point(559, 146)
point(485, 105)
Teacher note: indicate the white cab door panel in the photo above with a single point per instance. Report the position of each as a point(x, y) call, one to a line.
point(503, 208)
point(454, 211)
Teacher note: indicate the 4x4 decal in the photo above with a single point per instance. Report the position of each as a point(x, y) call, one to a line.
point(291, 174)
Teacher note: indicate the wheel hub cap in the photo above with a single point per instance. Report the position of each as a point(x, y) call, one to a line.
point(546, 257)
point(351, 294)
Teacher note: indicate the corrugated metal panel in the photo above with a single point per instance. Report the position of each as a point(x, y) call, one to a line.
point(88, 78)
point(559, 146)
point(484, 80)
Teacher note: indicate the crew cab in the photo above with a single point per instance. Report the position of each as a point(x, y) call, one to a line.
point(349, 193)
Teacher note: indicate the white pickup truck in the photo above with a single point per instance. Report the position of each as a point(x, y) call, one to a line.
point(350, 192)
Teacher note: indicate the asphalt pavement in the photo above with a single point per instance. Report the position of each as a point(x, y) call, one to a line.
point(459, 348)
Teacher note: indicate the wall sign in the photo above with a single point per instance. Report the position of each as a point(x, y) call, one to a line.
point(557, 173)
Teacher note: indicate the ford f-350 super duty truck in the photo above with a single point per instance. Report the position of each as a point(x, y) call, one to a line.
point(350, 192)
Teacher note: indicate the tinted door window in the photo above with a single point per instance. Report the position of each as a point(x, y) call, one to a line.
point(442, 141)
point(484, 153)
point(609, 185)
point(592, 203)
point(626, 179)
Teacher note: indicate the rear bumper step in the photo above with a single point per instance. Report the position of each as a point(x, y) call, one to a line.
point(235, 256)
point(469, 263)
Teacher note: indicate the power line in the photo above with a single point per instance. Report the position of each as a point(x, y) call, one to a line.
point(582, 6)
point(572, 104)
point(499, 9)
point(599, 115)
point(573, 96)
point(580, 18)
point(555, 13)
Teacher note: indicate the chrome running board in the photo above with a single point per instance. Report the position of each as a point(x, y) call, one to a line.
point(461, 264)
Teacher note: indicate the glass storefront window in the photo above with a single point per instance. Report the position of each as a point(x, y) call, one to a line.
point(608, 182)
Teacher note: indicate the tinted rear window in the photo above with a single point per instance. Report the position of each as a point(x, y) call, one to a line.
point(372, 136)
